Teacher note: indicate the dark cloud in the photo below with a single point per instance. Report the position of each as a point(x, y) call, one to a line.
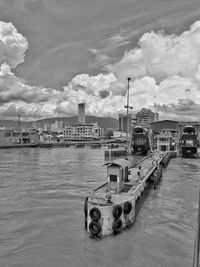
point(183, 108)
point(104, 93)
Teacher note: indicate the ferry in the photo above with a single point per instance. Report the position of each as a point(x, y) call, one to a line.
point(140, 140)
point(164, 141)
point(111, 208)
point(10, 138)
point(188, 142)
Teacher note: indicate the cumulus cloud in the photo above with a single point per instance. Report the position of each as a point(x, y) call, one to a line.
point(160, 56)
point(12, 45)
point(164, 71)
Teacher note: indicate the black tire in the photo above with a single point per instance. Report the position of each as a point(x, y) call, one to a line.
point(127, 207)
point(95, 228)
point(117, 211)
point(95, 214)
point(117, 226)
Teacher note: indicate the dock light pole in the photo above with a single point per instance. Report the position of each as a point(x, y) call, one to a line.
point(127, 110)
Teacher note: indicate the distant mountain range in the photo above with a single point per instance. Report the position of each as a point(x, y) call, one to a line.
point(103, 122)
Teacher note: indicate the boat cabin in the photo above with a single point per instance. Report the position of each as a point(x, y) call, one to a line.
point(117, 175)
point(164, 141)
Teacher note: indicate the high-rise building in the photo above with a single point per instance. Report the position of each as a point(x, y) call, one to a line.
point(81, 113)
point(146, 116)
point(123, 122)
point(156, 117)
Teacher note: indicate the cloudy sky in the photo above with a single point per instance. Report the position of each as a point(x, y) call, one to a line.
point(57, 53)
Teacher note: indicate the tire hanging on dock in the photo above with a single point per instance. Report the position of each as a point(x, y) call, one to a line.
point(117, 211)
point(95, 214)
point(95, 228)
point(117, 226)
point(127, 207)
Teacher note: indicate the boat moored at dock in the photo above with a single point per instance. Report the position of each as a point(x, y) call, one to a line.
point(11, 138)
point(188, 142)
point(112, 207)
point(140, 140)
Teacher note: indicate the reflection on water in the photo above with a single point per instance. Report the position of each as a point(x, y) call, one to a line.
point(42, 220)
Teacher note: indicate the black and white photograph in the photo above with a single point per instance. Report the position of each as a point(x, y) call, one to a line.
point(99, 133)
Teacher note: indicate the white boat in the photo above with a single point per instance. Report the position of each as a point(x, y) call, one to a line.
point(112, 207)
point(164, 142)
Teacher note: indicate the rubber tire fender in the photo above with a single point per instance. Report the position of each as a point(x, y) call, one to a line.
point(95, 214)
point(127, 207)
point(95, 228)
point(117, 211)
point(117, 226)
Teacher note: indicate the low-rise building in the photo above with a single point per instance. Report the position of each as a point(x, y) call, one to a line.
point(82, 132)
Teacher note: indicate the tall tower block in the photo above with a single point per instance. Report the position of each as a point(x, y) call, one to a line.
point(81, 113)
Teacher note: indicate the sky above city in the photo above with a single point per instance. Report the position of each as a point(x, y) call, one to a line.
point(55, 54)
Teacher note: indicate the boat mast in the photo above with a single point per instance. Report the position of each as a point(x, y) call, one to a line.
point(127, 115)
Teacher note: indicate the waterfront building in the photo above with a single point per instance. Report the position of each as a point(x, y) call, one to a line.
point(19, 138)
point(165, 125)
point(82, 132)
point(122, 123)
point(119, 134)
point(145, 116)
point(156, 116)
point(57, 125)
point(81, 113)
point(174, 126)
point(46, 127)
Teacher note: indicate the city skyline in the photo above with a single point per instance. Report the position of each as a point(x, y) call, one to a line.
point(56, 54)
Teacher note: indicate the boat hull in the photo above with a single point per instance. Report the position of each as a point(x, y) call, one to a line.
point(112, 207)
point(19, 145)
point(188, 151)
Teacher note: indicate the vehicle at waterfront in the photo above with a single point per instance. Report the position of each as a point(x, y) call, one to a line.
point(10, 138)
point(111, 208)
point(188, 142)
point(140, 140)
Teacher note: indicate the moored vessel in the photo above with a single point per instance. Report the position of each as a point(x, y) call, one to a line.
point(11, 138)
point(111, 208)
point(188, 142)
point(140, 140)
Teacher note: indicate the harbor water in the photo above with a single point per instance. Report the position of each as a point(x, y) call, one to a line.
point(42, 192)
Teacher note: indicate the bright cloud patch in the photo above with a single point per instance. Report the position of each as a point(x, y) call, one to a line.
point(12, 45)
point(164, 71)
point(161, 56)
